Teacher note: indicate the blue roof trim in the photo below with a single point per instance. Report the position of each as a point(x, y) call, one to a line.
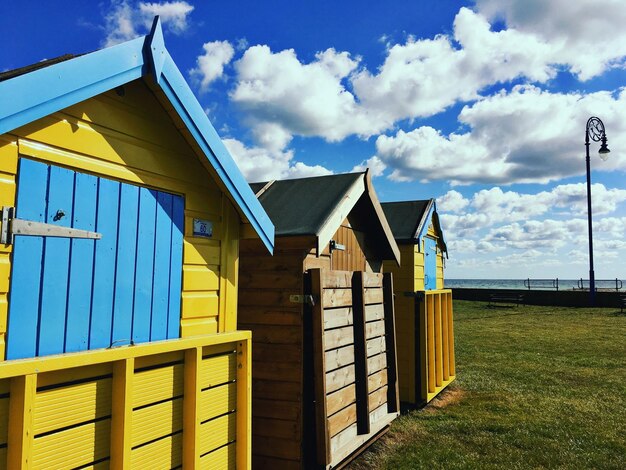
point(156, 46)
point(34, 95)
point(39, 93)
point(184, 101)
point(424, 225)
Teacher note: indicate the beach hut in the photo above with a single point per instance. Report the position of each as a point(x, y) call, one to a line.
point(122, 213)
point(423, 307)
point(321, 314)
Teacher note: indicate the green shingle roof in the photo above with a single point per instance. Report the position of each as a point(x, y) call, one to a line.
point(301, 206)
point(404, 218)
point(409, 218)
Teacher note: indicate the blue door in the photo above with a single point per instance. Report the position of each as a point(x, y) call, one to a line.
point(430, 264)
point(72, 294)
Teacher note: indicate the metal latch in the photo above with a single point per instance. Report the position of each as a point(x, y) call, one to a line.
point(12, 226)
point(302, 299)
point(336, 246)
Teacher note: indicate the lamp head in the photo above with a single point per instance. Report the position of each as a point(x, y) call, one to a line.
point(604, 149)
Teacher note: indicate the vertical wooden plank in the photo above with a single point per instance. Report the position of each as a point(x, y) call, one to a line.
point(360, 354)
point(244, 404)
point(393, 388)
point(23, 316)
point(450, 334)
point(191, 418)
point(445, 354)
point(229, 263)
point(430, 341)
point(125, 266)
point(122, 413)
point(107, 219)
point(319, 368)
point(162, 254)
point(81, 265)
point(438, 341)
point(422, 341)
point(21, 404)
point(53, 307)
point(144, 267)
point(176, 267)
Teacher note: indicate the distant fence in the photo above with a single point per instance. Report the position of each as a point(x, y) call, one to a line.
point(582, 284)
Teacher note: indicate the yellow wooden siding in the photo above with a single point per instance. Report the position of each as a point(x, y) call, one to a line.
point(88, 423)
point(131, 138)
point(8, 169)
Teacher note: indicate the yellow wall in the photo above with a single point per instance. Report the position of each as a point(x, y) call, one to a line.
point(131, 138)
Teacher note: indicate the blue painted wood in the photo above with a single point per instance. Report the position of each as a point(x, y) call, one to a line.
point(101, 327)
point(430, 264)
point(144, 270)
point(56, 263)
point(23, 317)
point(156, 46)
point(81, 265)
point(176, 267)
point(77, 294)
point(125, 266)
point(162, 270)
point(34, 95)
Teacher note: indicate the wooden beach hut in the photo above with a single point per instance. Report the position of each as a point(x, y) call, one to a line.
point(122, 213)
point(321, 314)
point(423, 307)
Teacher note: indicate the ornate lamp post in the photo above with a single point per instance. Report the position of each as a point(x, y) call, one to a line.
point(595, 130)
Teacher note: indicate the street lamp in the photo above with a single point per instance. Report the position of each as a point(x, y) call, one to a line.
point(595, 130)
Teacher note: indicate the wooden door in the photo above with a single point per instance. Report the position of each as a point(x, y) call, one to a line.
point(430, 264)
point(354, 358)
point(71, 294)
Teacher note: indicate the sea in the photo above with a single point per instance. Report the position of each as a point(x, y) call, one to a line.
point(535, 284)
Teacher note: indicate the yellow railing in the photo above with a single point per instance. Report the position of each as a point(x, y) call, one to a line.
point(436, 339)
point(156, 405)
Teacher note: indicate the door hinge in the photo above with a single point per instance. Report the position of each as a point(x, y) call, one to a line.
point(302, 299)
point(12, 226)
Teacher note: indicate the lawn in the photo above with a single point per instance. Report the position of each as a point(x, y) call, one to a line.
point(537, 387)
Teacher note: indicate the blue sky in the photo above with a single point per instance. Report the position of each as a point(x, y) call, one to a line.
point(480, 104)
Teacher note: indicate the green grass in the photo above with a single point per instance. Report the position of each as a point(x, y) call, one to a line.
point(537, 387)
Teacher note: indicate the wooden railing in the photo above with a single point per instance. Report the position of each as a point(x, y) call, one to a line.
point(436, 339)
point(183, 402)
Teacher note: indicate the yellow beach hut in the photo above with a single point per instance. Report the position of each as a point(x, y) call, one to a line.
point(121, 219)
point(423, 307)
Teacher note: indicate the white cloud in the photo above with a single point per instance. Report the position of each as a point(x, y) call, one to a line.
point(525, 135)
point(263, 164)
point(374, 164)
point(124, 21)
point(173, 14)
point(210, 65)
point(491, 207)
point(423, 77)
point(304, 99)
point(587, 35)
point(332, 97)
point(452, 201)
point(119, 23)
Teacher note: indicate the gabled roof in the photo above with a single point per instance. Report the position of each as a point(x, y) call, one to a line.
point(317, 206)
point(409, 220)
point(50, 87)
